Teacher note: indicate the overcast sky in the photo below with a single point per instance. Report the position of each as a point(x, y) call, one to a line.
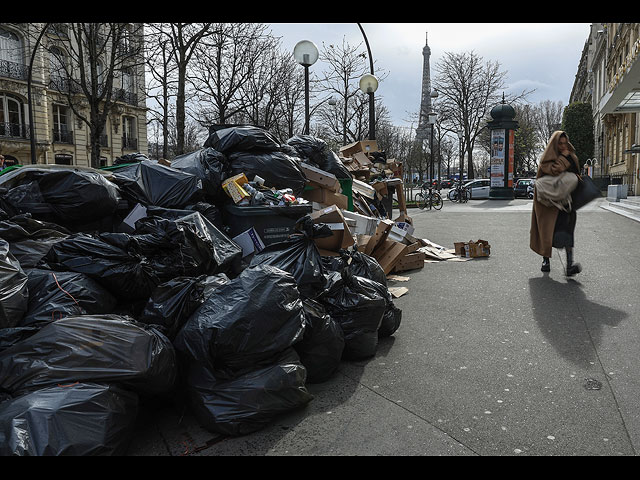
point(534, 55)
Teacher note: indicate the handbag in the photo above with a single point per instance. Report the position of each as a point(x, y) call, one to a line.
point(585, 192)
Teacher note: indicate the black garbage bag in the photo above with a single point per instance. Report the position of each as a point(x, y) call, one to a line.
point(172, 303)
point(207, 210)
point(124, 273)
point(90, 348)
point(65, 196)
point(363, 265)
point(130, 158)
point(246, 138)
point(358, 305)
point(299, 256)
point(55, 295)
point(209, 166)
point(13, 335)
point(186, 245)
point(278, 169)
point(318, 153)
point(150, 183)
point(247, 403)
point(80, 419)
point(30, 239)
point(14, 293)
point(244, 324)
point(321, 347)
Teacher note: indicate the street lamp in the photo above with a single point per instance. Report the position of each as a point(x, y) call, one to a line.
point(306, 54)
point(433, 117)
point(460, 137)
point(369, 85)
point(370, 88)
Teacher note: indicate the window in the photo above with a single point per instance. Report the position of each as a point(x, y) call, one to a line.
point(63, 159)
point(129, 137)
point(61, 130)
point(10, 47)
point(57, 69)
point(11, 116)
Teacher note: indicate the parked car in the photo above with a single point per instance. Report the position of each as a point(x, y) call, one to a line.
point(446, 183)
point(530, 188)
point(520, 189)
point(478, 188)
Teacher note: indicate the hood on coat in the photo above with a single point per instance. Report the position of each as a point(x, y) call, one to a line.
point(552, 152)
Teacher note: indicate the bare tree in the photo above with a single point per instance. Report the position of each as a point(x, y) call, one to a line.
point(469, 88)
point(162, 80)
point(85, 58)
point(184, 39)
point(226, 65)
point(548, 118)
point(346, 65)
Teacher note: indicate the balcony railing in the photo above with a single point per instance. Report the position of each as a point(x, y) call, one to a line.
point(14, 130)
point(13, 70)
point(130, 143)
point(62, 136)
point(126, 97)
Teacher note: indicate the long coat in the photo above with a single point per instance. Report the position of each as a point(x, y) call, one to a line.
point(543, 218)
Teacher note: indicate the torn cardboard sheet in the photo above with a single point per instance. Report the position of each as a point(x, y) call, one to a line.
point(398, 291)
point(398, 278)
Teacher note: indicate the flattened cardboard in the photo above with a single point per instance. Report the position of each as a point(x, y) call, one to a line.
point(391, 256)
point(320, 178)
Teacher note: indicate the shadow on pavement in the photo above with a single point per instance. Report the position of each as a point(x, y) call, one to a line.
point(571, 322)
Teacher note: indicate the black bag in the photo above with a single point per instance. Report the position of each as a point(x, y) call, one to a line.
point(585, 192)
point(90, 348)
point(14, 293)
point(77, 419)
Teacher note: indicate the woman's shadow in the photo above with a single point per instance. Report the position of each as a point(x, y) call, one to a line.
point(570, 321)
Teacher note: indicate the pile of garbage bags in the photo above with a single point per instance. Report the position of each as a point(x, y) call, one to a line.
point(122, 284)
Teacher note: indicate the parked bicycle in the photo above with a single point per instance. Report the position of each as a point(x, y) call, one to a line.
point(459, 193)
point(428, 197)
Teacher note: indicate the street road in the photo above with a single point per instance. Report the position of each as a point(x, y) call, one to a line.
point(493, 357)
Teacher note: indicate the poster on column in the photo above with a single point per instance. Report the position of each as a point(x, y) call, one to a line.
point(511, 157)
point(497, 157)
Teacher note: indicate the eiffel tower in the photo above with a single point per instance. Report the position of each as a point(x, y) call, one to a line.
point(422, 132)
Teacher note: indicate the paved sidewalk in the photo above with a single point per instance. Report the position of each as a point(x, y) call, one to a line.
point(493, 357)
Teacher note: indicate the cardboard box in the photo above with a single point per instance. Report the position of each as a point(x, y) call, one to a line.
point(320, 178)
point(342, 236)
point(411, 261)
point(326, 197)
point(233, 187)
point(249, 241)
point(389, 254)
point(362, 146)
point(380, 235)
point(364, 225)
point(362, 160)
point(471, 249)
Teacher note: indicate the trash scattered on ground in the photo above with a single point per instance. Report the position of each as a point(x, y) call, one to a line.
point(472, 249)
point(233, 274)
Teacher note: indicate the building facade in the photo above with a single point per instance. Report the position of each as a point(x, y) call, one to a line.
point(613, 68)
point(61, 136)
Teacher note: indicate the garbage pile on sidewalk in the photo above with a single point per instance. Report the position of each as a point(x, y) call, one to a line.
point(229, 277)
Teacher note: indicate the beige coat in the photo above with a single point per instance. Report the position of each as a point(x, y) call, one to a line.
point(543, 218)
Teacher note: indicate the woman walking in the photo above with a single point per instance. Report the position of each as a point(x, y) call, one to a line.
point(551, 226)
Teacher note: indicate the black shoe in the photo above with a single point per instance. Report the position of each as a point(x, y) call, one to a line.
point(573, 269)
point(546, 266)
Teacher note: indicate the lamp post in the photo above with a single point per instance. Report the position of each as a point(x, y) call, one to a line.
point(460, 137)
point(370, 88)
point(306, 54)
point(32, 135)
point(368, 85)
point(433, 117)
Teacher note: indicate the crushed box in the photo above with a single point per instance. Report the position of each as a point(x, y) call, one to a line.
point(471, 249)
point(342, 236)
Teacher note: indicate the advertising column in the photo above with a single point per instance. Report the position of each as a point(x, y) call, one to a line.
point(502, 129)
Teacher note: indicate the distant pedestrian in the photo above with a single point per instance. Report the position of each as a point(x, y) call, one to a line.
point(1, 163)
point(551, 226)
